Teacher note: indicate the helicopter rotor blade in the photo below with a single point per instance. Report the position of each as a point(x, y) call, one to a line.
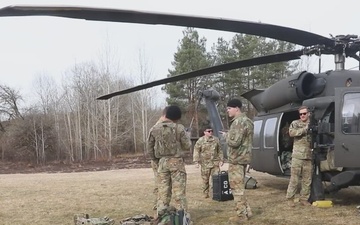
point(211, 70)
point(129, 16)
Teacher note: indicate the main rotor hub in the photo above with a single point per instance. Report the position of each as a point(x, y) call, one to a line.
point(347, 45)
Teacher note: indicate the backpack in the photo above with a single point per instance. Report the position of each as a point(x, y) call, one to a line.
point(168, 140)
point(84, 219)
point(172, 216)
point(142, 219)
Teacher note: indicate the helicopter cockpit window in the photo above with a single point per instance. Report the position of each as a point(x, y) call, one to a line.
point(350, 113)
point(257, 130)
point(269, 132)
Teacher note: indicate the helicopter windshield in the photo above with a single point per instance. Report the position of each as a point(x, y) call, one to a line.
point(351, 113)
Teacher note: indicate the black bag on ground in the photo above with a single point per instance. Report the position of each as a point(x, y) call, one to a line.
point(221, 187)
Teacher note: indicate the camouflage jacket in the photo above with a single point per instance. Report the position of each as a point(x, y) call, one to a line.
point(301, 147)
point(81, 219)
point(239, 140)
point(167, 139)
point(207, 151)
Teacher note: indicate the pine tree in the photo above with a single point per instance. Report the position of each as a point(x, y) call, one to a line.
point(191, 55)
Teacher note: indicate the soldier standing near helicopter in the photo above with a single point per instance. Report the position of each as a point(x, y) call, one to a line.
point(239, 140)
point(166, 143)
point(208, 154)
point(301, 163)
point(155, 166)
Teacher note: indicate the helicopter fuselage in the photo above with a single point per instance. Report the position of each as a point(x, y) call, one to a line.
point(334, 101)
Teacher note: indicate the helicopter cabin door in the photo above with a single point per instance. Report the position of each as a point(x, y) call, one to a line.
point(347, 127)
point(265, 157)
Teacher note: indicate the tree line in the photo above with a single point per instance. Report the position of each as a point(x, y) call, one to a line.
point(67, 123)
point(193, 55)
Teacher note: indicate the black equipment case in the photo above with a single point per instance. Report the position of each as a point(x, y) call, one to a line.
point(221, 187)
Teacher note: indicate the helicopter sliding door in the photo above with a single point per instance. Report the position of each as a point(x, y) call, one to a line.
point(347, 127)
point(265, 157)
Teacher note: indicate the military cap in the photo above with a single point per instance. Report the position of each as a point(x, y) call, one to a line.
point(234, 103)
point(173, 112)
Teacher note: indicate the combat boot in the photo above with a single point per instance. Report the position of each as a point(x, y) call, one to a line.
point(305, 203)
point(237, 219)
point(249, 212)
point(290, 202)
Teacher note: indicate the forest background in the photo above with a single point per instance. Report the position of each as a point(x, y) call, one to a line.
point(67, 124)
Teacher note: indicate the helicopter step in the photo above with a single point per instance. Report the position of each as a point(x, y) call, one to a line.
point(342, 180)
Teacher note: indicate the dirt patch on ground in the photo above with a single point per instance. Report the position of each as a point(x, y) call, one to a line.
point(64, 167)
point(128, 162)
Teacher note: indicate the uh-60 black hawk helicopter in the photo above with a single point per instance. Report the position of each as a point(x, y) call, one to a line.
point(333, 96)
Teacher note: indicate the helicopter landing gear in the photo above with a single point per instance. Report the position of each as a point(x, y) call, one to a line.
point(317, 189)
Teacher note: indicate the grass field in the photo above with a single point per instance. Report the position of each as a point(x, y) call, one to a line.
point(44, 199)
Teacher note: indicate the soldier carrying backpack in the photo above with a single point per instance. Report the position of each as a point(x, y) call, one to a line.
point(166, 143)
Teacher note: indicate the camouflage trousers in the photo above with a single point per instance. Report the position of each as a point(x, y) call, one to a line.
point(155, 166)
point(303, 168)
point(236, 179)
point(171, 179)
point(206, 175)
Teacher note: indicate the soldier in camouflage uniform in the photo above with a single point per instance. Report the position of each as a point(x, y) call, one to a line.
point(155, 166)
point(166, 143)
point(301, 163)
point(208, 153)
point(239, 140)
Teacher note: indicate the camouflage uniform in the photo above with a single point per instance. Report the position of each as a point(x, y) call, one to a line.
point(80, 219)
point(239, 141)
point(167, 140)
point(301, 164)
point(208, 153)
point(155, 166)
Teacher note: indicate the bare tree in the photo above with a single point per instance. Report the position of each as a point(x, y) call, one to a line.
point(9, 102)
point(144, 101)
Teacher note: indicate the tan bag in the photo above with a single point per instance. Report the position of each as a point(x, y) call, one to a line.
point(328, 164)
point(84, 219)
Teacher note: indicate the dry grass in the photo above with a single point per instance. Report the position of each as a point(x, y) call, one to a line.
point(45, 199)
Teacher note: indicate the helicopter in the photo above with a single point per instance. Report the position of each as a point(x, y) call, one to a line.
point(333, 97)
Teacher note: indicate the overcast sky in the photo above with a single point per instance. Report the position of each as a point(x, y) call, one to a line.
point(30, 46)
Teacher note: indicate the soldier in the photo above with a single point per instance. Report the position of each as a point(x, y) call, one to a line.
point(301, 163)
point(155, 165)
point(167, 140)
point(208, 153)
point(239, 141)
